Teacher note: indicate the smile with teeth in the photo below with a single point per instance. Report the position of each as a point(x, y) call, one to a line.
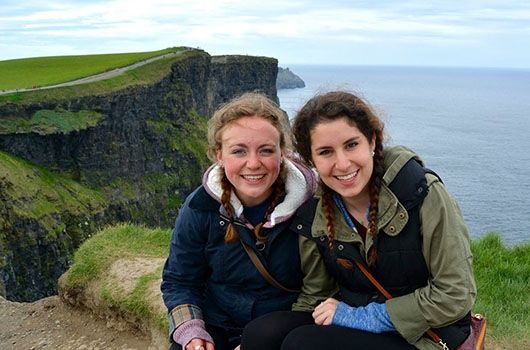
point(253, 177)
point(347, 177)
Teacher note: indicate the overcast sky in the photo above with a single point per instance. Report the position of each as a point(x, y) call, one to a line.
point(466, 33)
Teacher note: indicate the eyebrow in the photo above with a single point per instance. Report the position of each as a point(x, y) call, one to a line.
point(355, 138)
point(243, 145)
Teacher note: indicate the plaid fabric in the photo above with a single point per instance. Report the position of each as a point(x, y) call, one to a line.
point(181, 314)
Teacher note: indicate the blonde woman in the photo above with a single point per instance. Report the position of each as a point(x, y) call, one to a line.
point(249, 195)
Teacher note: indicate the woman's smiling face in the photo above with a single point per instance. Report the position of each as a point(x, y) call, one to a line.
point(343, 158)
point(251, 156)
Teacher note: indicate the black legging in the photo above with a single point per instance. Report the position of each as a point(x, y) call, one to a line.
point(291, 330)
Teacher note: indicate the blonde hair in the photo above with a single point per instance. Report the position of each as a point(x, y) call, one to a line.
point(247, 105)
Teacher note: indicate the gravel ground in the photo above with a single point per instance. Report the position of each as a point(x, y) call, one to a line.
point(50, 324)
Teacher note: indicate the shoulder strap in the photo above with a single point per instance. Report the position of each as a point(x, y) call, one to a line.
point(263, 271)
point(387, 295)
point(410, 184)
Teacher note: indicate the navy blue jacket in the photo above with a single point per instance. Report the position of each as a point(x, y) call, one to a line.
point(218, 279)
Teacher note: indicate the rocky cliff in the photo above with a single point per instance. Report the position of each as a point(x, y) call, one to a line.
point(78, 158)
point(288, 80)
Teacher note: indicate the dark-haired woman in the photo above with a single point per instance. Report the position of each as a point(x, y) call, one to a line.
point(379, 207)
point(249, 195)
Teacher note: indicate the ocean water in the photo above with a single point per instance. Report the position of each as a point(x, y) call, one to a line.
point(471, 126)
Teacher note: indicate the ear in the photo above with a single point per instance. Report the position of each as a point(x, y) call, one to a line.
point(219, 156)
point(372, 143)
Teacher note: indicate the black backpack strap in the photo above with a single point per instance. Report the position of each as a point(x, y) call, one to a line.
point(410, 184)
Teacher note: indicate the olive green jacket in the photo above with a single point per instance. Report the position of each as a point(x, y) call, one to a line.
point(450, 291)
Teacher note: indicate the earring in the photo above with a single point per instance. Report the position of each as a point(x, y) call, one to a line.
point(221, 164)
point(373, 153)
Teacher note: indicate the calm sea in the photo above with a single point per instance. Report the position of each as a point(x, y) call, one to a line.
point(471, 126)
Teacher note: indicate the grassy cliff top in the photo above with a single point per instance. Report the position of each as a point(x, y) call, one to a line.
point(43, 71)
point(146, 74)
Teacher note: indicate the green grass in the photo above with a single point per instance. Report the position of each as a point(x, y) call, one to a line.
point(43, 71)
point(47, 121)
point(49, 193)
point(96, 255)
point(502, 275)
point(144, 75)
point(115, 242)
point(503, 281)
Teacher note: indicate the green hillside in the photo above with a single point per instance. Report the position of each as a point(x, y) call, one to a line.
point(35, 192)
point(143, 75)
point(43, 71)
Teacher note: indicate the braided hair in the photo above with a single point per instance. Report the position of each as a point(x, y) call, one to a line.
point(333, 106)
point(278, 195)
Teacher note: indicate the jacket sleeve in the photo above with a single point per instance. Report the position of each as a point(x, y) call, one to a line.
point(450, 291)
point(317, 284)
point(185, 271)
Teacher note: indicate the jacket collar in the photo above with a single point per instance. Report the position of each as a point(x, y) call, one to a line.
point(392, 215)
point(300, 184)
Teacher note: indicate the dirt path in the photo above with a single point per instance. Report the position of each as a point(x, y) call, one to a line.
point(102, 76)
point(51, 324)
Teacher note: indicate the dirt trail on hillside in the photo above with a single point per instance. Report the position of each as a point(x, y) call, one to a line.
point(51, 324)
point(102, 76)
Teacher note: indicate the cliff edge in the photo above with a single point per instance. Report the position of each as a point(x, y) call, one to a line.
point(130, 148)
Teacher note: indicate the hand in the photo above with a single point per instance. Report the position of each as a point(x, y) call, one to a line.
point(238, 347)
point(323, 314)
point(199, 344)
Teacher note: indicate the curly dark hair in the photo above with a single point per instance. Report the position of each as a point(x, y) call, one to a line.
point(333, 106)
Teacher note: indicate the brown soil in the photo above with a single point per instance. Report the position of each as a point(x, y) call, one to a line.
point(51, 324)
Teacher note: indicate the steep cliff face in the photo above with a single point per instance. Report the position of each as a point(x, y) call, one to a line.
point(142, 147)
point(233, 75)
point(43, 218)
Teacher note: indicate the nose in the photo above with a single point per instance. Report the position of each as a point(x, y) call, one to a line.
point(341, 161)
point(253, 161)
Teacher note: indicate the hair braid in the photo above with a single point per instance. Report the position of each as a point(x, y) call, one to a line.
point(231, 232)
point(278, 194)
point(375, 187)
point(327, 205)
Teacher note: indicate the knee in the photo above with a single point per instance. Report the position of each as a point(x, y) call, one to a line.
point(299, 338)
point(265, 332)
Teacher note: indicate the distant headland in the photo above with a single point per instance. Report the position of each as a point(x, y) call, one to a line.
point(286, 79)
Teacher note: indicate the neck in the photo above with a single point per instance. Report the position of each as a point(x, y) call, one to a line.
point(357, 204)
point(358, 208)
